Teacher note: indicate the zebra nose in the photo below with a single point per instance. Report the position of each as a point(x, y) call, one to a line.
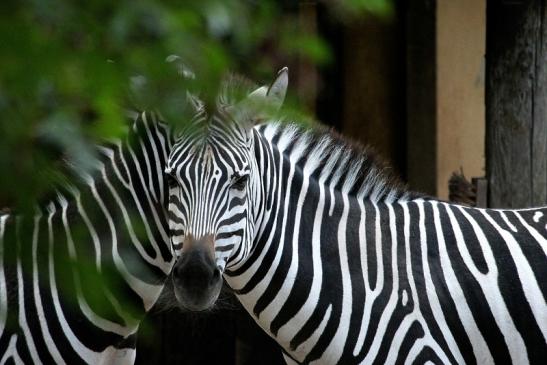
point(196, 271)
point(194, 277)
point(197, 280)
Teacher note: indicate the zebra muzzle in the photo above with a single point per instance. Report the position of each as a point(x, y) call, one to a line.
point(196, 278)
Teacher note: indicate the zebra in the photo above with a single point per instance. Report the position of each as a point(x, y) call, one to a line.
point(78, 275)
point(338, 261)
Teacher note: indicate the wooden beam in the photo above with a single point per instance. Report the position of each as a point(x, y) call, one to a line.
point(516, 103)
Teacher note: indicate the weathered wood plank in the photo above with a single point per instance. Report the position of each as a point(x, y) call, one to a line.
point(481, 185)
point(515, 103)
point(539, 135)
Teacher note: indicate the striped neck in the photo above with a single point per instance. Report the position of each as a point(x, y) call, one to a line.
point(339, 276)
point(77, 277)
point(121, 204)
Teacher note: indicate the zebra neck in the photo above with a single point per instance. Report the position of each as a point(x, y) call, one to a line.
point(333, 272)
point(129, 183)
point(77, 276)
point(282, 282)
point(118, 211)
point(131, 192)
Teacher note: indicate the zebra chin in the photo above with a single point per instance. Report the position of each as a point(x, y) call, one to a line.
point(197, 281)
point(196, 303)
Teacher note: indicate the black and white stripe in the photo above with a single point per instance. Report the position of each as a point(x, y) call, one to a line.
point(341, 265)
point(77, 277)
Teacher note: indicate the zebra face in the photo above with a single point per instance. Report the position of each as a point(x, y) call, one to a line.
point(209, 213)
point(213, 182)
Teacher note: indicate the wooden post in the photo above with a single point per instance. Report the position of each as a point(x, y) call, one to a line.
point(516, 103)
point(374, 97)
point(421, 95)
point(461, 33)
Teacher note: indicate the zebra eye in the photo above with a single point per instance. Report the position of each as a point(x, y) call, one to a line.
point(239, 182)
point(171, 181)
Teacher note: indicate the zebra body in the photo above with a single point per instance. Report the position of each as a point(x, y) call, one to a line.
point(78, 276)
point(344, 276)
point(341, 265)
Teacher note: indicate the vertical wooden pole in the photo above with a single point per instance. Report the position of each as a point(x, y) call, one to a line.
point(374, 76)
point(421, 95)
point(461, 33)
point(516, 103)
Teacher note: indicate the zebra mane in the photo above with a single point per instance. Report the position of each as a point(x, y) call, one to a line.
point(234, 88)
point(344, 164)
point(339, 162)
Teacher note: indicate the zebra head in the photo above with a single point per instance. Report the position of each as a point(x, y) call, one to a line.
point(212, 178)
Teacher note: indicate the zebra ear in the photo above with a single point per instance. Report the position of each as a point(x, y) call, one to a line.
point(278, 89)
point(273, 95)
point(266, 100)
point(258, 94)
point(262, 103)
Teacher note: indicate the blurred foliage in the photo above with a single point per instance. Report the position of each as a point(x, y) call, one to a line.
point(69, 69)
point(352, 8)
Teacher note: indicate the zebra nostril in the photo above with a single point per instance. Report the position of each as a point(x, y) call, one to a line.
point(216, 275)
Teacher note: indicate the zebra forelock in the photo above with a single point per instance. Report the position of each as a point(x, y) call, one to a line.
point(218, 118)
